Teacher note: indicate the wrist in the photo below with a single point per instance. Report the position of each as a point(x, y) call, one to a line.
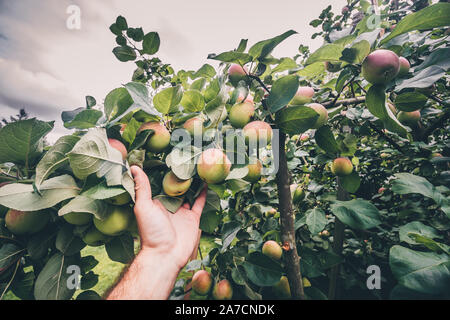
point(164, 260)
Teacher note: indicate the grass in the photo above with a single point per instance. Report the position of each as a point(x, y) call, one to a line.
point(109, 271)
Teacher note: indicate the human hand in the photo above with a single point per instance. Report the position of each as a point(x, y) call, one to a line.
point(171, 236)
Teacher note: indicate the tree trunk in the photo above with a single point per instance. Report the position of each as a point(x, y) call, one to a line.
point(338, 241)
point(287, 225)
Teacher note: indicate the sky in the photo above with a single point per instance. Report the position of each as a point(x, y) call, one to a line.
point(47, 68)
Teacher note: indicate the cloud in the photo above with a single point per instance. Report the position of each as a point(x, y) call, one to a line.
point(47, 68)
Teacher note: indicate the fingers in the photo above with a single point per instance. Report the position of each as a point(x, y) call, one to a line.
point(199, 204)
point(142, 185)
point(186, 205)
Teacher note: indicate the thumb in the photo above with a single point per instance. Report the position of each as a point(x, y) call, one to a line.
point(141, 184)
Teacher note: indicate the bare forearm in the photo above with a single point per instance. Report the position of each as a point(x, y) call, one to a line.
point(149, 277)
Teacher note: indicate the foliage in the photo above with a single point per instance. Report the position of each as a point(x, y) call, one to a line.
point(403, 229)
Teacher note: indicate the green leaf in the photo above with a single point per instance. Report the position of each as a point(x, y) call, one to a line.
point(129, 134)
point(182, 161)
point(99, 190)
point(51, 283)
point(137, 34)
point(351, 182)
point(376, 103)
point(416, 227)
point(21, 141)
point(430, 243)
point(211, 218)
point(121, 23)
point(124, 53)
point(410, 101)
point(193, 101)
point(328, 52)
point(263, 48)
point(229, 232)
point(357, 213)
point(425, 272)
point(408, 183)
point(261, 270)
point(140, 96)
point(151, 43)
point(285, 64)
point(282, 92)
point(9, 254)
point(121, 248)
point(231, 57)
point(166, 100)
point(85, 204)
point(89, 295)
point(439, 57)
point(23, 197)
point(434, 16)
point(242, 45)
point(82, 118)
point(88, 281)
point(117, 102)
point(325, 139)
point(347, 145)
point(115, 29)
point(356, 53)
point(90, 102)
point(39, 244)
point(422, 79)
point(93, 154)
point(296, 119)
point(198, 84)
point(55, 158)
point(315, 220)
point(206, 71)
point(172, 204)
point(67, 242)
point(312, 71)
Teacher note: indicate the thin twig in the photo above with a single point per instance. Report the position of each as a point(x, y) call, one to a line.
point(388, 139)
point(344, 102)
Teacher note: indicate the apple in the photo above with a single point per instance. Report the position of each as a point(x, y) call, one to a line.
point(116, 144)
point(222, 290)
point(94, 238)
point(116, 221)
point(202, 282)
point(159, 140)
point(282, 289)
point(302, 96)
point(236, 73)
point(256, 130)
point(342, 167)
point(297, 193)
point(381, 66)
point(78, 218)
point(213, 166)
point(194, 126)
point(21, 223)
point(241, 113)
point(272, 250)
point(410, 119)
point(404, 67)
point(323, 115)
point(254, 172)
point(173, 186)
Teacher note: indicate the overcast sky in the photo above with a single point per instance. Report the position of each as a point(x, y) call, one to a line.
point(47, 68)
